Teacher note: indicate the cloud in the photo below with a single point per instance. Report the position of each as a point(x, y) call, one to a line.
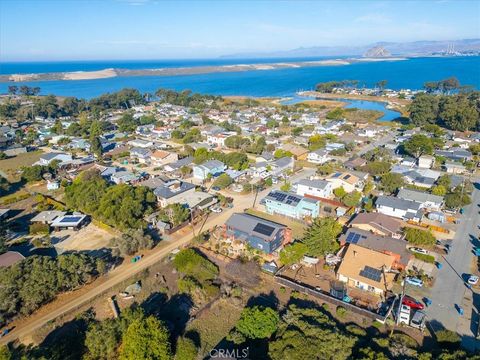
point(135, 2)
point(374, 19)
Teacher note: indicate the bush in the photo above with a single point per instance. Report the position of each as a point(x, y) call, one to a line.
point(447, 336)
point(419, 237)
point(341, 311)
point(39, 228)
point(424, 257)
point(356, 330)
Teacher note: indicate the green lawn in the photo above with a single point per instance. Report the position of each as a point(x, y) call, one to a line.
point(10, 166)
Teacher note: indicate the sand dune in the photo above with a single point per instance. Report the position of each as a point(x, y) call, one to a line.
point(89, 75)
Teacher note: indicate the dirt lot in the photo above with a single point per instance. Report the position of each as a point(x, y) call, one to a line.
point(90, 237)
point(10, 166)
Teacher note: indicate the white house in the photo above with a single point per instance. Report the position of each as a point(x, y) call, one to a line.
point(426, 161)
point(319, 156)
point(454, 167)
point(399, 208)
point(318, 188)
point(47, 158)
point(426, 200)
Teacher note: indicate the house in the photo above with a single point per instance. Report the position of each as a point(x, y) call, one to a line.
point(455, 154)
point(426, 161)
point(264, 157)
point(10, 258)
point(291, 205)
point(4, 213)
point(142, 155)
point(210, 167)
point(177, 165)
point(48, 217)
point(419, 177)
point(334, 146)
point(377, 223)
point(427, 201)
point(139, 143)
point(384, 244)
point(319, 188)
point(366, 269)
point(319, 156)
point(454, 167)
point(399, 208)
point(170, 191)
point(347, 180)
point(162, 157)
point(408, 161)
point(46, 159)
point(70, 222)
point(282, 165)
point(218, 140)
point(298, 152)
point(261, 234)
point(53, 185)
point(124, 177)
point(355, 163)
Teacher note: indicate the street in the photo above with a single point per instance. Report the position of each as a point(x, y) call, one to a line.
point(449, 288)
point(22, 329)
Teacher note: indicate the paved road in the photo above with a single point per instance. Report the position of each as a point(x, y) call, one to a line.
point(449, 288)
point(127, 270)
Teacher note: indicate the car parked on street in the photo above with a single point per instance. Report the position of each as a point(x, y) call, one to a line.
point(216, 209)
point(414, 304)
point(473, 279)
point(418, 250)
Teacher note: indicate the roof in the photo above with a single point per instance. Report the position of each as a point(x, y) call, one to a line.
point(357, 258)
point(68, 220)
point(345, 176)
point(419, 196)
point(9, 258)
point(51, 155)
point(138, 150)
point(182, 162)
point(283, 162)
point(254, 225)
point(161, 154)
point(154, 182)
point(397, 203)
point(376, 242)
point(3, 212)
point(294, 149)
point(378, 221)
point(288, 198)
point(47, 216)
point(213, 164)
point(317, 184)
point(172, 188)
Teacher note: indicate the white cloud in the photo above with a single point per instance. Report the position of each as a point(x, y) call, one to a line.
point(374, 19)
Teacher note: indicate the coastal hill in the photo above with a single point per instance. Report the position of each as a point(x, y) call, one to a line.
point(377, 52)
point(415, 48)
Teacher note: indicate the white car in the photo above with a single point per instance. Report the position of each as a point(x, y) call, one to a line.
point(216, 209)
point(473, 279)
point(418, 250)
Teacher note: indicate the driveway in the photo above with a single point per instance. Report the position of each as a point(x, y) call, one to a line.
point(449, 289)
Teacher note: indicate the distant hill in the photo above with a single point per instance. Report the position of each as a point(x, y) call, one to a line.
point(377, 52)
point(395, 49)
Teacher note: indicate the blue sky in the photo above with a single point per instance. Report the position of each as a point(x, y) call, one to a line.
point(150, 29)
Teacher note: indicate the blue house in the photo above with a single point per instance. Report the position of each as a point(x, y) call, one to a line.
point(291, 205)
point(212, 167)
point(259, 233)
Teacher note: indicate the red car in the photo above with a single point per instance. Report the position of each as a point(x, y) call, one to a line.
point(414, 304)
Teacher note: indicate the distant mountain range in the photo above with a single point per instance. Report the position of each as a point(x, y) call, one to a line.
point(415, 48)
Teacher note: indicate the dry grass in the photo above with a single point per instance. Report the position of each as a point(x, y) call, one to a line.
point(10, 166)
point(297, 228)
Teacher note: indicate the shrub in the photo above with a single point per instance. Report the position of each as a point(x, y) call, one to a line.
point(419, 237)
point(447, 336)
point(341, 311)
point(39, 228)
point(424, 257)
point(356, 330)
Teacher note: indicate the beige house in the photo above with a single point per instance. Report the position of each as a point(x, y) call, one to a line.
point(366, 269)
point(161, 157)
point(346, 180)
point(378, 223)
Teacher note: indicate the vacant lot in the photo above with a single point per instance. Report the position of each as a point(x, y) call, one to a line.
point(9, 167)
point(297, 228)
point(90, 237)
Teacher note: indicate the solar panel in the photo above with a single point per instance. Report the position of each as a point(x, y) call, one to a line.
point(371, 273)
point(353, 237)
point(70, 219)
point(263, 229)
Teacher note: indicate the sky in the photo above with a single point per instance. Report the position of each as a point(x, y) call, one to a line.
point(41, 30)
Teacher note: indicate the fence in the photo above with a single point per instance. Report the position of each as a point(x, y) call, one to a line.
point(328, 298)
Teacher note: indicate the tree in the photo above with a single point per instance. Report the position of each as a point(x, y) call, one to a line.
point(146, 339)
point(457, 199)
point(223, 181)
point(236, 142)
point(258, 322)
point(33, 173)
point(132, 242)
point(175, 214)
point(419, 237)
point(293, 253)
point(190, 263)
point(316, 142)
point(279, 153)
point(4, 185)
point(444, 181)
point(439, 190)
point(339, 192)
point(375, 168)
point(391, 182)
point(286, 186)
point(381, 84)
point(352, 199)
point(96, 146)
point(12, 90)
point(418, 145)
point(186, 349)
point(457, 113)
point(321, 237)
point(424, 109)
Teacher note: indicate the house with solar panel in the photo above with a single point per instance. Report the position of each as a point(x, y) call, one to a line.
point(347, 180)
point(291, 205)
point(366, 269)
point(70, 222)
point(264, 235)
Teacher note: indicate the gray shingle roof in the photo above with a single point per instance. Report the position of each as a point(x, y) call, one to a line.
point(317, 184)
point(419, 196)
point(246, 223)
point(397, 203)
point(167, 191)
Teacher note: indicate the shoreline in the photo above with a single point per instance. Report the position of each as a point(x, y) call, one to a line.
point(113, 72)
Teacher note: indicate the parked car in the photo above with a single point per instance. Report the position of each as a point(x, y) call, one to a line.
point(404, 316)
point(216, 209)
point(414, 304)
point(414, 281)
point(418, 320)
point(473, 279)
point(215, 188)
point(418, 250)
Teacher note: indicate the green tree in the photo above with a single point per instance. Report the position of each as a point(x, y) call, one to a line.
point(321, 237)
point(293, 253)
point(4, 185)
point(258, 322)
point(439, 190)
point(190, 263)
point(33, 173)
point(186, 349)
point(286, 186)
point(457, 199)
point(375, 168)
point(419, 237)
point(175, 214)
point(418, 145)
point(444, 181)
point(316, 142)
point(96, 146)
point(391, 182)
point(352, 199)
point(339, 192)
point(146, 339)
point(223, 181)
point(424, 109)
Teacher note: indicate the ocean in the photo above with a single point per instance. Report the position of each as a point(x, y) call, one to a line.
point(404, 74)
